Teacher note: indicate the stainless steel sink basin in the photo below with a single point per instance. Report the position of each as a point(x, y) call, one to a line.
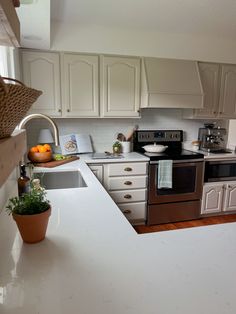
point(60, 180)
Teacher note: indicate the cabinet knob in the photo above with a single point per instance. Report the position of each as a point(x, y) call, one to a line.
point(128, 196)
point(59, 110)
point(68, 110)
point(230, 186)
point(128, 169)
point(126, 211)
point(127, 182)
point(220, 112)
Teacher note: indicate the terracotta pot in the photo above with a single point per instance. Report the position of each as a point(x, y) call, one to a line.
point(32, 227)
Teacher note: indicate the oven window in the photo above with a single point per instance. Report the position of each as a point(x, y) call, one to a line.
point(183, 180)
point(217, 171)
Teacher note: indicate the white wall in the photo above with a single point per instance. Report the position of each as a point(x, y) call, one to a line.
point(232, 134)
point(103, 131)
point(97, 39)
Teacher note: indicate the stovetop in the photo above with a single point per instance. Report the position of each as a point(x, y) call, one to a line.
point(171, 138)
point(174, 155)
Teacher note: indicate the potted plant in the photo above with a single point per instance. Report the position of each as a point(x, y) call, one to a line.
point(31, 212)
point(116, 147)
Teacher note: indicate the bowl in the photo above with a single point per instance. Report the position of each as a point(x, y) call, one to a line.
point(155, 148)
point(40, 157)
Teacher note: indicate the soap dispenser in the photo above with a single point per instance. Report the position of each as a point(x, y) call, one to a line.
point(23, 181)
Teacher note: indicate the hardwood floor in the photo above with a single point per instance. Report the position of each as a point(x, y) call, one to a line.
point(187, 224)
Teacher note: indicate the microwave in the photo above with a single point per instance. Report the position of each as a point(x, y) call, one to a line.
point(220, 170)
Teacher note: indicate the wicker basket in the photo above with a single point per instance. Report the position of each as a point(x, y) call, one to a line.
point(15, 101)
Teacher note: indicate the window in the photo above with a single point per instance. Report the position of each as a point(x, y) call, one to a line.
point(4, 61)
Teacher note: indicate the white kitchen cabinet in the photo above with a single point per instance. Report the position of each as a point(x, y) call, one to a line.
point(219, 86)
point(127, 185)
point(120, 86)
point(219, 197)
point(212, 198)
point(80, 85)
point(41, 70)
point(227, 100)
point(230, 197)
point(98, 171)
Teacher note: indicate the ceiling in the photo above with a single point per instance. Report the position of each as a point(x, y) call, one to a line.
point(207, 18)
point(201, 17)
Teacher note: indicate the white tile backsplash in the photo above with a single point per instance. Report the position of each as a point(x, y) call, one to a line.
point(103, 131)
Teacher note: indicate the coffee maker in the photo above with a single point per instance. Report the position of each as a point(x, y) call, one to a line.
point(213, 139)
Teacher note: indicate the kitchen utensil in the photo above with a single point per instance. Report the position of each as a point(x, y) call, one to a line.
point(155, 148)
point(121, 137)
point(131, 133)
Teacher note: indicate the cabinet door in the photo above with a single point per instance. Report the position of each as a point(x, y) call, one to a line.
point(230, 197)
point(98, 171)
point(209, 73)
point(41, 71)
point(212, 198)
point(227, 103)
point(120, 86)
point(80, 85)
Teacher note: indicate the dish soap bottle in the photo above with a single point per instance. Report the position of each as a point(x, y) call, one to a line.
point(23, 181)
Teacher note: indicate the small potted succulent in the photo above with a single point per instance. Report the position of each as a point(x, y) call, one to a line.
point(31, 212)
point(117, 147)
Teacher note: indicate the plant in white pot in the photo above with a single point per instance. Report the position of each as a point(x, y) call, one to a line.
point(31, 212)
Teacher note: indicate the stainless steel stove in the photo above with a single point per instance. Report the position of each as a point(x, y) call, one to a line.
point(181, 201)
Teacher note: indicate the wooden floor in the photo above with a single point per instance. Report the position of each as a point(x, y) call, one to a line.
point(187, 224)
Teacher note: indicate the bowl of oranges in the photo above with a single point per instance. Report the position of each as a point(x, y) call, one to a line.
point(40, 153)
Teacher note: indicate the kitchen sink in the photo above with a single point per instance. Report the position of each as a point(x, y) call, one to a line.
point(60, 180)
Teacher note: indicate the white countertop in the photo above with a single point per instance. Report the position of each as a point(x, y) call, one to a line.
point(93, 262)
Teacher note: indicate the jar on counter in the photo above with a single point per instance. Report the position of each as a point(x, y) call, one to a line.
point(195, 145)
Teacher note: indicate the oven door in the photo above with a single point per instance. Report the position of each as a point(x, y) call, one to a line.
point(187, 185)
point(221, 170)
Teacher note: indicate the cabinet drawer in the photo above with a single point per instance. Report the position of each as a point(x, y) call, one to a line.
point(128, 196)
point(124, 183)
point(127, 169)
point(134, 211)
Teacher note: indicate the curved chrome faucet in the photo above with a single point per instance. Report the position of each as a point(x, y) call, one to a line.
point(40, 115)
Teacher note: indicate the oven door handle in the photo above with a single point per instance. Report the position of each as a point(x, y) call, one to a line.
point(156, 162)
point(221, 162)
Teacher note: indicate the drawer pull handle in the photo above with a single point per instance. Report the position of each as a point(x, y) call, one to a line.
point(126, 211)
point(127, 196)
point(128, 183)
point(128, 169)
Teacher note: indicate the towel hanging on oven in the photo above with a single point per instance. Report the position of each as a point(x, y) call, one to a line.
point(165, 168)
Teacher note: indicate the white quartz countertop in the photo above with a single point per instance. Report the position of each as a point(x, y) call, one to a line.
point(93, 262)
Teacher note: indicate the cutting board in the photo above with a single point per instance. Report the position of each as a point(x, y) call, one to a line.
point(55, 163)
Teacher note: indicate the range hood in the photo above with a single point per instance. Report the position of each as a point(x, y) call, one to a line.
point(9, 24)
point(171, 83)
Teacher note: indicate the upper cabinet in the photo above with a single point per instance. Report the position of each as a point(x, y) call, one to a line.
point(120, 86)
point(171, 83)
point(41, 70)
point(219, 85)
point(82, 85)
point(227, 99)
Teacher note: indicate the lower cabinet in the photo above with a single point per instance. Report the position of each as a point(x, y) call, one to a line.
point(97, 169)
point(219, 197)
point(127, 185)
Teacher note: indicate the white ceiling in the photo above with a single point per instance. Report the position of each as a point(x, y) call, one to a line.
point(199, 17)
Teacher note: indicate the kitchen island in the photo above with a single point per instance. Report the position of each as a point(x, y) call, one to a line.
point(93, 262)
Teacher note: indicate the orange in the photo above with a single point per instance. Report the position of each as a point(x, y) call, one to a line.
point(34, 149)
point(48, 147)
point(41, 148)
